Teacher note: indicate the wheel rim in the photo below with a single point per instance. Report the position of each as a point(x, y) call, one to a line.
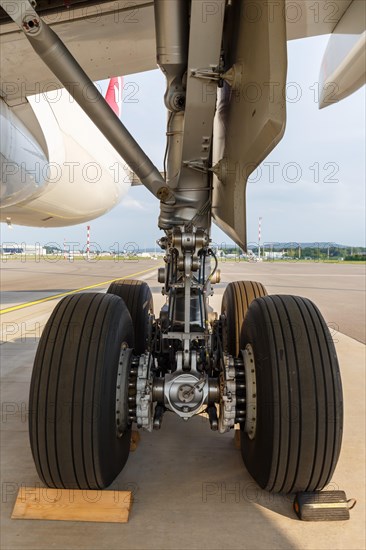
point(251, 392)
point(122, 416)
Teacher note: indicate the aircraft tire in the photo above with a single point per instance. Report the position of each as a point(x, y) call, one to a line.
point(72, 405)
point(299, 404)
point(139, 301)
point(235, 303)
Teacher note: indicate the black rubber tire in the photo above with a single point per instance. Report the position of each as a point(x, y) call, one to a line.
point(139, 301)
point(72, 403)
point(299, 396)
point(235, 303)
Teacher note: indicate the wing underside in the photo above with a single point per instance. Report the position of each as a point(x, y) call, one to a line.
point(114, 38)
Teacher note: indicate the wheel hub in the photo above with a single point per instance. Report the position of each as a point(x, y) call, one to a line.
point(185, 393)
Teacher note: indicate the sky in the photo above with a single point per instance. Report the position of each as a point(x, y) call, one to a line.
point(311, 188)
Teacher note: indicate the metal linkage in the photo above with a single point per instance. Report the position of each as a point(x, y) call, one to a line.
point(186, 282)
point(233, 76)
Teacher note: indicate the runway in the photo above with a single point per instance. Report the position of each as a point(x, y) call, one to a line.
point(338, 289)
point(190, 487)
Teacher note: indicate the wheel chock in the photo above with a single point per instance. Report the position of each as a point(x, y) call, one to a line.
point(135, 438)
point(323, 506)
point(45, 503)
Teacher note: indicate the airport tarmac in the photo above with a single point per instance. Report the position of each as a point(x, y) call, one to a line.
point(190, 487)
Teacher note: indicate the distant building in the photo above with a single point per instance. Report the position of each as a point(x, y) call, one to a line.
point(272, 255)
point(13, 249)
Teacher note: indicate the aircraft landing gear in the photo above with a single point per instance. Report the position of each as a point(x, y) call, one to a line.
point(267, 363)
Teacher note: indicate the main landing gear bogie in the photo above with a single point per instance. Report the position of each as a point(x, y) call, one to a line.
point(267, 364)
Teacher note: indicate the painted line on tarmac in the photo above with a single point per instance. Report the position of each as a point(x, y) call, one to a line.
point(55, 296)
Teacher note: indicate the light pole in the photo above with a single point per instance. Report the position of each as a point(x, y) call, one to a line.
point(88, 242)
point(259, 237)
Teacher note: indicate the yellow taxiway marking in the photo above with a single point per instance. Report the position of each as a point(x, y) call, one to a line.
point(55, 296)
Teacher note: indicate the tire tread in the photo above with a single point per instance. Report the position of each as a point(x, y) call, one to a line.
point(139, 301)
point(236, 300)
point(305, 429)
point(77, 356)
